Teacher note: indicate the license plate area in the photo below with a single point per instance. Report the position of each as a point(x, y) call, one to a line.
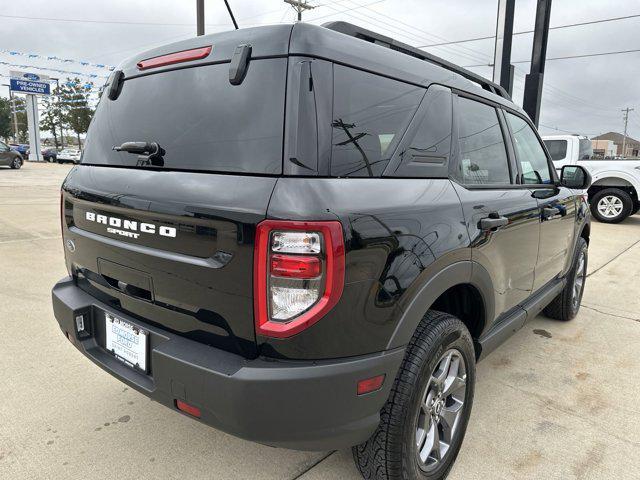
point(126, 342)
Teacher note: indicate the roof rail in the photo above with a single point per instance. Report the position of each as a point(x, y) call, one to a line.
point(388, 42)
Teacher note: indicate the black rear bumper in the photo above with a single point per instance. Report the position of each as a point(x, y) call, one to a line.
point(299, 405)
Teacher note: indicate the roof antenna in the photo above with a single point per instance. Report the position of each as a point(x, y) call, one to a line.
point(233, 19)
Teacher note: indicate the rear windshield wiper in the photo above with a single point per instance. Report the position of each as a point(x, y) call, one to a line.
point(149, 153)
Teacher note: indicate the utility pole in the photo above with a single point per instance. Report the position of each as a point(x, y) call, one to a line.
point(626, 122)
point(533, 80)
point(299, 6)
point(199, 18)
point(502, 68)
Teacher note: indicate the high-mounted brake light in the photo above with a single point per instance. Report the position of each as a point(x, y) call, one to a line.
point(298, 274)
point(176, 57)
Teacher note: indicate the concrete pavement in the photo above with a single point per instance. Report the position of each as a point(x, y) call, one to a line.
point(558, 401)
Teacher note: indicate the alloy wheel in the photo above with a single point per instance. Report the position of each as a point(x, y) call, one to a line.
point(610, 206)
point(578, 282)
point(441, 410)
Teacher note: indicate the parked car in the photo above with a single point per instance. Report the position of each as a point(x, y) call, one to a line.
point(69, 155)
point(331, 290)
point(49, 154)
point(9, 157)
point(21, 148)
point(613, 196)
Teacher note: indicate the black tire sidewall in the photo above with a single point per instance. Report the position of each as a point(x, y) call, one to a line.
point(457, 337)
point(627, 205)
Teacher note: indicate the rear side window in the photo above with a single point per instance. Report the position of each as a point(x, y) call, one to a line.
point(199, 119)
point(483, 155)
point(586, 149)
point(557, 149)
point(370, 114)
point(533, 160)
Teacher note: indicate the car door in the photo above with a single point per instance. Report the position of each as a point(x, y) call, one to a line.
point(501, 216)
point(5, 154)
point(557, 208)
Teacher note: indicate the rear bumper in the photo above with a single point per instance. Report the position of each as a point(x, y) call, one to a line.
point(299, 405)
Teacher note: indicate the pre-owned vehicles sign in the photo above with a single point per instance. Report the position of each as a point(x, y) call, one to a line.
point(24, 82)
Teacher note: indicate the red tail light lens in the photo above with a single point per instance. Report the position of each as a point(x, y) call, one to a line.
point(298, 274)
point(295, 266)
point(186, 408)
point(176, 57)
point(370, 384)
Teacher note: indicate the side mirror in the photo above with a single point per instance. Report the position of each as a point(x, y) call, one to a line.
point(575, 176)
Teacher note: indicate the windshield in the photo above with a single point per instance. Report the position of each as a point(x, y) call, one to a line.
point(557, 149)
point(198, 118)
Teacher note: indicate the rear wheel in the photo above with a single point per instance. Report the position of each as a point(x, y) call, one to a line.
point(611, 205)
point(423, 423)
point(16, 163)
point(566, 305)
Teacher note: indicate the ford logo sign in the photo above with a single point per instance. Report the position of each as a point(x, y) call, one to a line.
point(31, 76)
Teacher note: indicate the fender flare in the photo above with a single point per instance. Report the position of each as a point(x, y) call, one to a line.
point(464, 272)
point(628, 177)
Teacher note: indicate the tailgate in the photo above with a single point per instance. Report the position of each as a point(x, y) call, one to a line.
point(174, 249)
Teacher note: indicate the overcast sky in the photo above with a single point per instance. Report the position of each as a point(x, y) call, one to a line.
point(581, 95)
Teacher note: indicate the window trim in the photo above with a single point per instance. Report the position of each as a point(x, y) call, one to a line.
point(454, 161)
point(552, 171)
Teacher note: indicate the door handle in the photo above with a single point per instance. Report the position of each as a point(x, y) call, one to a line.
point(549, 212)
point(493, 221)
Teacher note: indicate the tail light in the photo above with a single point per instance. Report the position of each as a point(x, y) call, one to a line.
point(298, 274)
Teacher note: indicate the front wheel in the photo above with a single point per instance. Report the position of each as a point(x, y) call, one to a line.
point(16, 163)
point(566, 305)
point(424, 421)
point(611, 205)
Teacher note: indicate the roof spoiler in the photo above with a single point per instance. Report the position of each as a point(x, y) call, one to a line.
point(388, 42)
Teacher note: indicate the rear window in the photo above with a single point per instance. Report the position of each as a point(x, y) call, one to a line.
point(199, 119)
point(557, 149)
point(370, 114)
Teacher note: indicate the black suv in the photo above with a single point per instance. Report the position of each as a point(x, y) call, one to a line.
point(307, 236)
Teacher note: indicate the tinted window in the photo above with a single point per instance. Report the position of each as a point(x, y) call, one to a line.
point(483, 156)
point(433, 137)
point(200, 119)
point(557, 149)
point(586, 149)
point(370, 114)
point(533, 160)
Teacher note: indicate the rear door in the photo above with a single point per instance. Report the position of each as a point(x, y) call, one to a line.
point(5, 154)
point(556, 204)
point(502, 218)
point(170, 239)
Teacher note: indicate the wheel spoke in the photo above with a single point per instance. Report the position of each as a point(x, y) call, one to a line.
point(449, 419)
point(432, 438)
point(455, 385)
point(443, 369)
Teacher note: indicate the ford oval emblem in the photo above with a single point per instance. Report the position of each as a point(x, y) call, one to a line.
point(31, 76)
point(71, 246)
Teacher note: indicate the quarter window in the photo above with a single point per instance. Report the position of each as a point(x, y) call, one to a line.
point(370, 114)
point(533, 160)
point(483, 155)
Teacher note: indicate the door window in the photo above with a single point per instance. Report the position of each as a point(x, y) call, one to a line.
point(557, 149)
point(483, 155)
point(531, 155)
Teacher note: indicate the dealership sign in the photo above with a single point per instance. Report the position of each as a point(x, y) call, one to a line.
point(24, 82)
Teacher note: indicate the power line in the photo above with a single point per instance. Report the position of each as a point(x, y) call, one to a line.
point(557, 27)
point(565, 58)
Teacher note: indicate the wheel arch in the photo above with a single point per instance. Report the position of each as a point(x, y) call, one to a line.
point(620, 180)
point(463, 289)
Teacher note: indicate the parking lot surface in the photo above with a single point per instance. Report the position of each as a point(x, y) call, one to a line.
point(557, 401)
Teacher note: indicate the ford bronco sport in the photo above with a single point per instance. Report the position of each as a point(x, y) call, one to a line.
point(307, 236)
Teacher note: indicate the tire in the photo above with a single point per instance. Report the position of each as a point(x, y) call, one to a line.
point(567, 304)
point(611, 205)
point(60, 162)
point(16, 163)
point(408, 416)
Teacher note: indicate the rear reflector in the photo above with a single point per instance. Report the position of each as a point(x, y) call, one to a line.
point(370, 384)
point(186, 408)
point(176, 57)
